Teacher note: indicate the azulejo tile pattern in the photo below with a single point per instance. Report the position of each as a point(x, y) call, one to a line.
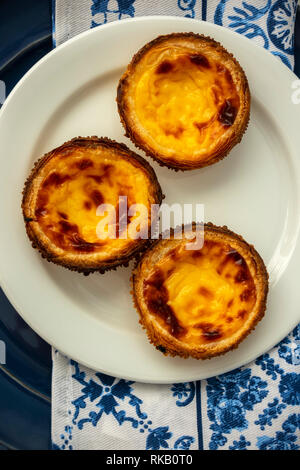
point(257, 406)
point(254, 407)
point(269, 23)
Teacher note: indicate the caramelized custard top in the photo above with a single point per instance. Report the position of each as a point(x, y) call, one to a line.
point(74, 183)
point(201, 296)
point(184, 101)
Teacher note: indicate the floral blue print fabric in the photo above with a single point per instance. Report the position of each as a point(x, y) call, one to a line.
point(254, 407)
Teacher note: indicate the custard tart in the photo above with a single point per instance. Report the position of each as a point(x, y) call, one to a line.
point(184, 100)
point(200, 302)
point(64, 191)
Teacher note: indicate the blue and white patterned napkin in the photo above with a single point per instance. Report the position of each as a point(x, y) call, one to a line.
point(254, 407)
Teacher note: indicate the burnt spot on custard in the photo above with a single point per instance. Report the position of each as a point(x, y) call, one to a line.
point(62, 215)
point(156, 297)
point(200, 60)
point(225, 97)
point(164, 67)
point(205, 292)
point(87, 205)
point(104, 174)
point(247, 294)
point(106, 168)
point(209, 331)
point(242, 314)
point(55, 179)
point(97, 178)
point(227, 113)
point(84, 164)
point(97, 197)
point(196, 254)
point(66, 227)
point(79, 244)
point(242, 276)
point(68, 235)
point(241, 273)
point(231, 256)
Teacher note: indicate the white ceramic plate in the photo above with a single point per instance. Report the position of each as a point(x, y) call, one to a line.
point(255, 191)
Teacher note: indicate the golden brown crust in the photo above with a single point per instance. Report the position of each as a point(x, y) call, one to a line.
point(82, 263)
point(238, 129)
point(160, 337)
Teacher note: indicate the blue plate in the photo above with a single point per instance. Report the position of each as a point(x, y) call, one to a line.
point(25, 379)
